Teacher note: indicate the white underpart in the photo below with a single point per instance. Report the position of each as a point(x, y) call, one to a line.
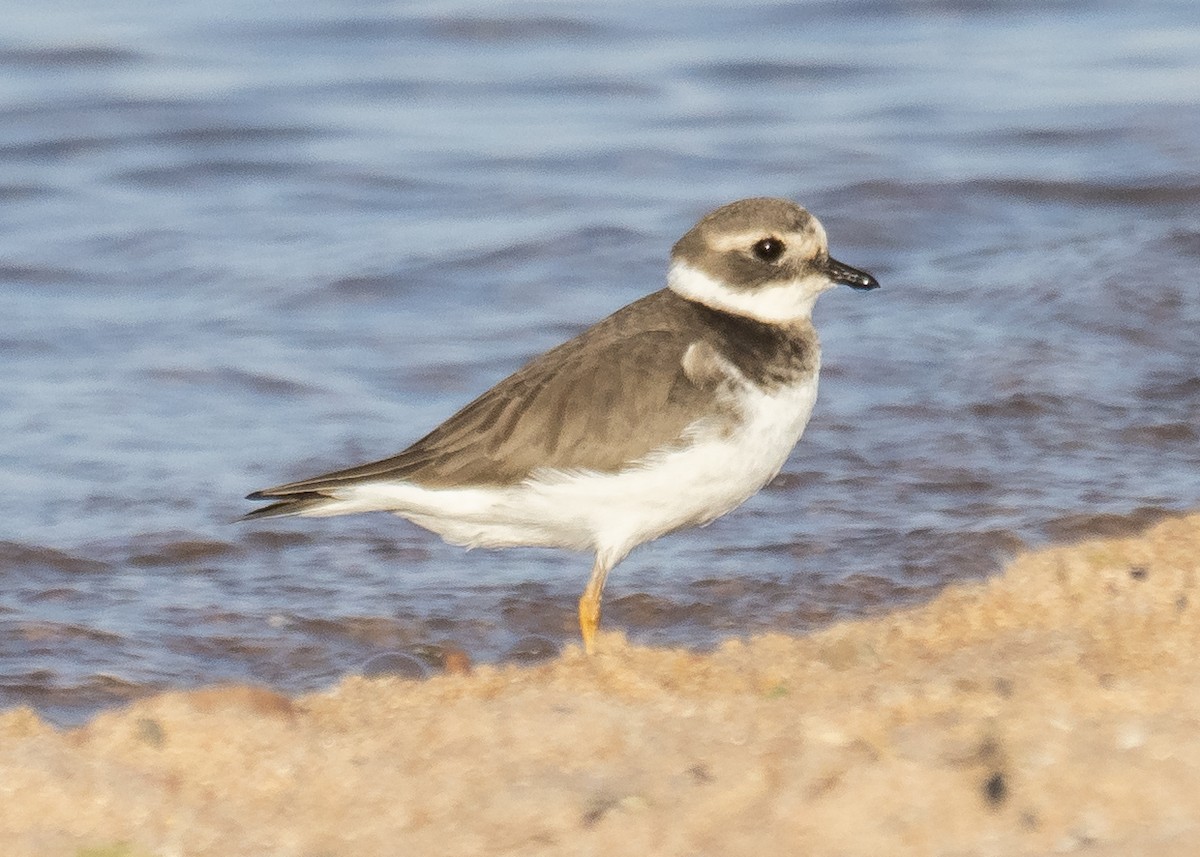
point(721, 467)
point(780, 303)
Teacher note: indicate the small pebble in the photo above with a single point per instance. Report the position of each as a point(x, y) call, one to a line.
point(456, 662)
point(995, 789)
point(149, 731)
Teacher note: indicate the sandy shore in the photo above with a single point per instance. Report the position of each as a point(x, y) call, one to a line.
point(1054, 709)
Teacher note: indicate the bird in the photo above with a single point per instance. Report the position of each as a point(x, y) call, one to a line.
point(667, 414)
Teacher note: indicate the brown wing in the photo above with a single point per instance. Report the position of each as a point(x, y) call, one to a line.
point(596, 402)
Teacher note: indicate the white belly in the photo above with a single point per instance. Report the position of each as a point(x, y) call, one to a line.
point(613, 512)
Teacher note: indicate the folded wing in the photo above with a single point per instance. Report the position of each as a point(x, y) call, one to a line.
point(596, 402)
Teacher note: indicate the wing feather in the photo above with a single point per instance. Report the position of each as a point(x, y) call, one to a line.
point(597, 402)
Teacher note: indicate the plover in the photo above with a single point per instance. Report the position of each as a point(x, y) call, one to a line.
point(667, 414)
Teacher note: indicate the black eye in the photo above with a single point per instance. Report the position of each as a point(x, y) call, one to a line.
point(768, 249)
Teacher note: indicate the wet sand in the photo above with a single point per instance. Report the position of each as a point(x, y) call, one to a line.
point(1053, 709)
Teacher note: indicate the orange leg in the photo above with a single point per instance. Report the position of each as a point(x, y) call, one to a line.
point(589, 602)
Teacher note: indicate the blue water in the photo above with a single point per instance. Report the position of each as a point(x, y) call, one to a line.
point(244, 243)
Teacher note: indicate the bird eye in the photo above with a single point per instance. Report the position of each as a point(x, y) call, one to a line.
point(768, 249)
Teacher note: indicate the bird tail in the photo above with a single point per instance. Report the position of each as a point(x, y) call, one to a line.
point(306, 503)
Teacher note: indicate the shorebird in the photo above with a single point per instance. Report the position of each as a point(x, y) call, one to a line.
point(667, 414)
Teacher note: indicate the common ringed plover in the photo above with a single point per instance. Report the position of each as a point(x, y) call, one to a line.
point(667, 414)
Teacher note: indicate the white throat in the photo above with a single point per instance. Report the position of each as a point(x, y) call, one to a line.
point(783, 303)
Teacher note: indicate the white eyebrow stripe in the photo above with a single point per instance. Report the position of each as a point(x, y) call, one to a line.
point(806, 244)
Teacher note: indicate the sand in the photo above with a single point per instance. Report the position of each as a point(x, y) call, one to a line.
point(1054, 709)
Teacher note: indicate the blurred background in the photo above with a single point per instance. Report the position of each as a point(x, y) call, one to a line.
point(242, 243)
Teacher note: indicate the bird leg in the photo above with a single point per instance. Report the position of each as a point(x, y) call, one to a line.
point(589, 602)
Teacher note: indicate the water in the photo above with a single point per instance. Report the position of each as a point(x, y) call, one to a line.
point(244, 243)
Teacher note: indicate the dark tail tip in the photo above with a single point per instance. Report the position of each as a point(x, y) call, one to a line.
point(296, 504)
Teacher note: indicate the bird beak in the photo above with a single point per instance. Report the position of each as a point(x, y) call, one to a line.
point(847, 276)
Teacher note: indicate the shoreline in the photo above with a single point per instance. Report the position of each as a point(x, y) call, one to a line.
point(1050, 709)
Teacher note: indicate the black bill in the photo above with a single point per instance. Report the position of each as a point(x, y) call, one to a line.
point(847, 276)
